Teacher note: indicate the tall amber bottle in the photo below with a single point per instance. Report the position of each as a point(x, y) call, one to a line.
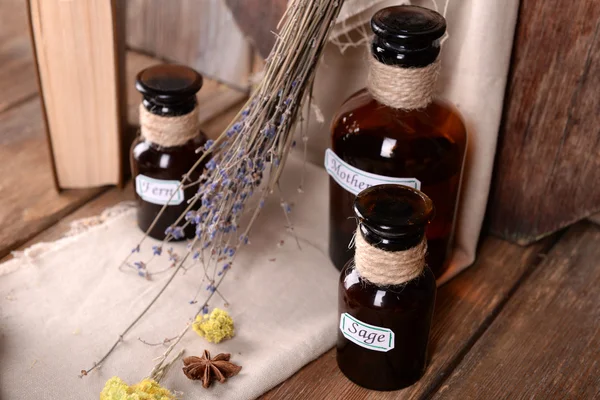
point(166, 147)
point(393, 131)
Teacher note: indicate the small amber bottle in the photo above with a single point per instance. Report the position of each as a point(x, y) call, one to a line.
point(387, 293)
point(396, 131)
point(166, 147)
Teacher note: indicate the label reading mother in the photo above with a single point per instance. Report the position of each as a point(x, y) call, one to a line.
point(355, 180)
point(158, 191)
point(368, 336)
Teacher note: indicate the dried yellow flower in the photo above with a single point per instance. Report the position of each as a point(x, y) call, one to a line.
point(214, 327)
point(116, 389)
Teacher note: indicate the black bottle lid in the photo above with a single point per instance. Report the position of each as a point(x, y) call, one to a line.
point(169, 89)
point(407, 35)
point(393, 217)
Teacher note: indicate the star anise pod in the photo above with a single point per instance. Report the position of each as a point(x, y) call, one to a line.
point(210, 369)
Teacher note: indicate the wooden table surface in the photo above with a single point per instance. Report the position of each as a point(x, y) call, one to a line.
point(522, 322)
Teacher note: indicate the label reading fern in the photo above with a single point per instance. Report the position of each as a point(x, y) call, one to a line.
point(158, 191)
point(368, 336)
point(355, 180)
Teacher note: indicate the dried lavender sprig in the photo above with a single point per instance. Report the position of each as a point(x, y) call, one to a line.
point(273, 180)
point(271, 112)
point(136, 320)
point(281, 141)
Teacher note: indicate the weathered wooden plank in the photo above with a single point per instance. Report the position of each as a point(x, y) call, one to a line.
point(549, 150)
point(17, 73)
point(29, 201)
point(201, 34)
point(464, 308)
point(258, 20)
point(545, 344)
point(13, 20)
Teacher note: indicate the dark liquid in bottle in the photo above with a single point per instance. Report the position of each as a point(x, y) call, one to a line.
point(405, 309)
point(427, 144)
point(165, 163)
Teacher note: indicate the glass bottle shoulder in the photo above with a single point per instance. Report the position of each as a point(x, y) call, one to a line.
point(152, 155)
point(362, 114)
point(403, 297)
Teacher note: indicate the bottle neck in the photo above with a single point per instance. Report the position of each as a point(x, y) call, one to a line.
point(168, 130)
point(389, 261)
point(394, 84)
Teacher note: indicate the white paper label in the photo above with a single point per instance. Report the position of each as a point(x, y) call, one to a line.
point(368, 336)
point(355, 180)
point(158, 191)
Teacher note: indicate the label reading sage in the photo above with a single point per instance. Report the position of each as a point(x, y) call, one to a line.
point(365, 335)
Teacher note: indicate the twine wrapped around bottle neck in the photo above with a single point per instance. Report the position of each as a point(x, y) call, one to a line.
point(169, 131)
point(402, 88)
point(388, 267)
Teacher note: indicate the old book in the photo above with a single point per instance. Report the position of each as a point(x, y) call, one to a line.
point(79, 71)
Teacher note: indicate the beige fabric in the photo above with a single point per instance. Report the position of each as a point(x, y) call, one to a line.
point(63, 304)
point(169, 131)
point(353, 9)
point(475, 62)
point(405, 88)
point(353, 16)
point(385, 267)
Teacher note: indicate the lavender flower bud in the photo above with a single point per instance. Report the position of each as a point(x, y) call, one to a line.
point(209, 143)
point(211, 165)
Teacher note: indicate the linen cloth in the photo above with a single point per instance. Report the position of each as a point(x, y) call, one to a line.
point(62, 305)
point(475, 64)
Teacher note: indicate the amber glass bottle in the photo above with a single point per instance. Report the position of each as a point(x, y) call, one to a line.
point(375, 143)
point(166, 147)
point(384, 327)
